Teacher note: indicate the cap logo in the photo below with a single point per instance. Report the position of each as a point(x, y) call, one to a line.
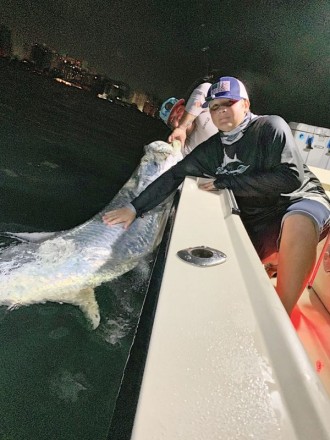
point(222, 86)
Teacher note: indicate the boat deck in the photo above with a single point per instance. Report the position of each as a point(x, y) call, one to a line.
point(312, 323)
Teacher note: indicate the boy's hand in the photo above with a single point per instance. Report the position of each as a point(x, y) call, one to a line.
point(208, 186)
point(122, 215)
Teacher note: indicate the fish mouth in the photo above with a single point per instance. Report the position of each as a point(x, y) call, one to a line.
point(158, 147)
point(176, 145)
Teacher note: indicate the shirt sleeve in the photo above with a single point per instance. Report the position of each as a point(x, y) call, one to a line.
point(197, 99)
point(200, 162)
point(282, 170)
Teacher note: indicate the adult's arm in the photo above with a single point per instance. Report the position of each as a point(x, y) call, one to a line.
point(185, 127)
point(192, 110)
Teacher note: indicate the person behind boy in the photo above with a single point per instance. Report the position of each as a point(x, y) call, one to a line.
point(196, 125)
point(191, 124)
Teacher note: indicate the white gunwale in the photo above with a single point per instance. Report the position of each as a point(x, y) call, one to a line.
point(224, 360)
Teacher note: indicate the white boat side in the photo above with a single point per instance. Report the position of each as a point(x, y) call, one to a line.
point(323, 175)
point(224, 360)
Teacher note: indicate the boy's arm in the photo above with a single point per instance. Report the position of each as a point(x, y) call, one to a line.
point(195, 164)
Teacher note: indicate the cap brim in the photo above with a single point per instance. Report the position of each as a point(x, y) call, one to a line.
point(232, 97)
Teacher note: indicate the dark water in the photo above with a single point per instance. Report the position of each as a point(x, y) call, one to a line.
point(64, 155)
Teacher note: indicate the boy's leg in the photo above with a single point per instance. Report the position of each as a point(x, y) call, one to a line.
point(296, 258)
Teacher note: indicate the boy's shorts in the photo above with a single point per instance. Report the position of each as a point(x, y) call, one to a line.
point(267, 240)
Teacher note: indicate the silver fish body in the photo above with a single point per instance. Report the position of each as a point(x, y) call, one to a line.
point(69, 265)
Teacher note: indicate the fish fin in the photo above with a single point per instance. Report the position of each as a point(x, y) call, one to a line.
point(34, 237)
point(85, 300)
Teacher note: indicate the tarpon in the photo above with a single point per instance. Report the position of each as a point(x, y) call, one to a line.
point(66, 266)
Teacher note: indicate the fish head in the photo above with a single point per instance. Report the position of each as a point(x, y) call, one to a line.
point(160, 156)
point(161, 147)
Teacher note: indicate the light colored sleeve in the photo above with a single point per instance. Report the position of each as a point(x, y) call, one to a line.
point(197, 99)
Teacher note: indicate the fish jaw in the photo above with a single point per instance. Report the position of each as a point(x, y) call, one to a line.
point(161, 149)
point(176, 145)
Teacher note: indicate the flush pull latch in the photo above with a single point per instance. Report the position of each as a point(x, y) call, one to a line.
point(202, 256)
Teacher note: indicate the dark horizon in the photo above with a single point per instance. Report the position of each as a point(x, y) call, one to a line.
point(279, 48)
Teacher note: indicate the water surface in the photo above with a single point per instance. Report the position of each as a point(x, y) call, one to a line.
point(64, 155)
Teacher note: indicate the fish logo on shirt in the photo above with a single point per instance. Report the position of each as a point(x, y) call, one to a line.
point(231, 166)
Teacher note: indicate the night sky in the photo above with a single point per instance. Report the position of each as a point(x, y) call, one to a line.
point(279, 48)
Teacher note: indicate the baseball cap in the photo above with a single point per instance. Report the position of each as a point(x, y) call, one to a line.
point(226, 87)
point(166, 108)
point(170, 108)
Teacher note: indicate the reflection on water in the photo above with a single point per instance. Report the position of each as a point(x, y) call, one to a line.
point(67, 385)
